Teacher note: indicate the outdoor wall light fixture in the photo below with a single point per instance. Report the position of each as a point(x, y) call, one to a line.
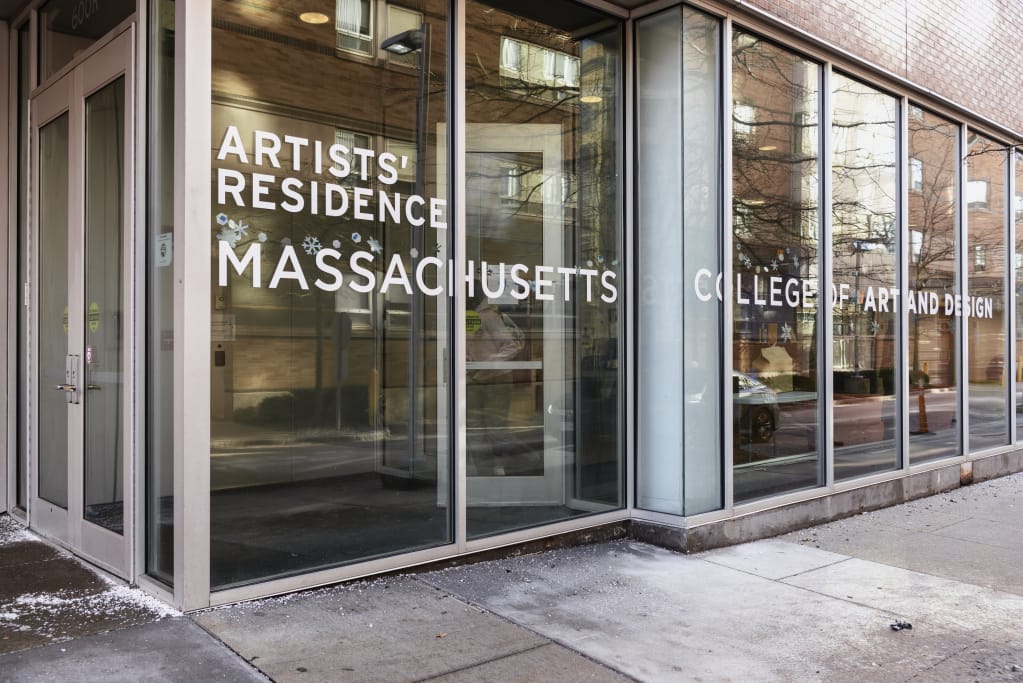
point(314, 17)
point(405, 42)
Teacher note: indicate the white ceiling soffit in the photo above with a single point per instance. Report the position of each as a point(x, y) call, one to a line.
point(10, 8)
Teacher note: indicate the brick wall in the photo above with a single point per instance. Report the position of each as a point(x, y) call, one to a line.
point(967, 51)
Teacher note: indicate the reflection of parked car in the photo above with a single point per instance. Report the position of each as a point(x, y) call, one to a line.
point(756, 408)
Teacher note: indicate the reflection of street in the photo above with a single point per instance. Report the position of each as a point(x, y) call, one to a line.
point(988, 412)
point(258, 465)
point(865, 430)
point(788, 459)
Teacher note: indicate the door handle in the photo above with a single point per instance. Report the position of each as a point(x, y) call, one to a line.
point(67, 388)
point(93, 387)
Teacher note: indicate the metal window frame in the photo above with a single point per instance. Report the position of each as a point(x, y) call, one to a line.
point(904, 181)
point(963, 285)
point(1008, 279)
point(193, 32)
point(825, 311)
point(191, 336)
point(192, 204)
point(13, 294)
point(8, 255)
point(727, 271)
point(1009, 298)
point(627, 150)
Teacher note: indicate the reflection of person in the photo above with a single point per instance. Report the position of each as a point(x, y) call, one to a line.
point(491, 338)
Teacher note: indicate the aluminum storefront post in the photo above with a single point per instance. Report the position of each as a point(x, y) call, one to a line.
point(192, 136)
point(8, 338)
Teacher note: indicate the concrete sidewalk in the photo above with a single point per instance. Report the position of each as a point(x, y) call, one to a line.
point(818, 604)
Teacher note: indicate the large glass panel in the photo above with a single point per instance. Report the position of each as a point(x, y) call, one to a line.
point(1017, 213)
point(983, 310)
point(53, 311)
point(105, 314)
point(679, 464)
point(329, 358)
point(543, 236)
point(160, 298)
point(933, 368)
point(66, 27)
point(21, 459)
point(865, 318)
point(776, 261)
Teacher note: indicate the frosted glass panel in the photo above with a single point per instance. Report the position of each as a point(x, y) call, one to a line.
point(679, 354)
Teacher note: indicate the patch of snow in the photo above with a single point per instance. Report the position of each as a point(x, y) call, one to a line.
point(11, 531)
point(137, 597)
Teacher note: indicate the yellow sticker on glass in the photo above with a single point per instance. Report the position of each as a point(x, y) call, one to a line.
point(473, 322)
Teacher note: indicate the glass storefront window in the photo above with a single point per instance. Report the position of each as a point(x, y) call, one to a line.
point(160, 299)
point(329, 238)
point(775, 261)
point(543, 240)
point(983, 310)
point(679, 463)
point(864, 241)
point(932, 370)
point(1017, 217)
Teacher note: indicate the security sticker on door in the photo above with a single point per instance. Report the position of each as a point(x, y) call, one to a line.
point(164, 249)
point(93, 317)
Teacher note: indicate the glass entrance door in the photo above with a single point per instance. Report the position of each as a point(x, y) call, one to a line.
point(79, 299)
point(517, 402)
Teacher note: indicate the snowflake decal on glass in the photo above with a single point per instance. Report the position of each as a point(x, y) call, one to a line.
point(356, 237)
point(786, 333)
point(240, 229)
point(230, 231)
point(374, 246)
point(229, 235)
point(874, 327)
point(311, 245)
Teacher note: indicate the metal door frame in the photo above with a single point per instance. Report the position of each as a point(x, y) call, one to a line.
point(106, 62)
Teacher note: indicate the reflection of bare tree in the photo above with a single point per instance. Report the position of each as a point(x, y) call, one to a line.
point(775, 212)
point(932, 243)
point(774, 150)
point(585, 108)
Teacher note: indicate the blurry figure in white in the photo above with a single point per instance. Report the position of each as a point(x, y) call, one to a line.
point(492, 338)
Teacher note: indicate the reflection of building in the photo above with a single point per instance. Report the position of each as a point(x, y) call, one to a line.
point(254, 241)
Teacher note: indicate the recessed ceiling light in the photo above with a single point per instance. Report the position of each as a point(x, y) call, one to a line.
point(767, 148)
point(591, 99)
point(314, 17)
